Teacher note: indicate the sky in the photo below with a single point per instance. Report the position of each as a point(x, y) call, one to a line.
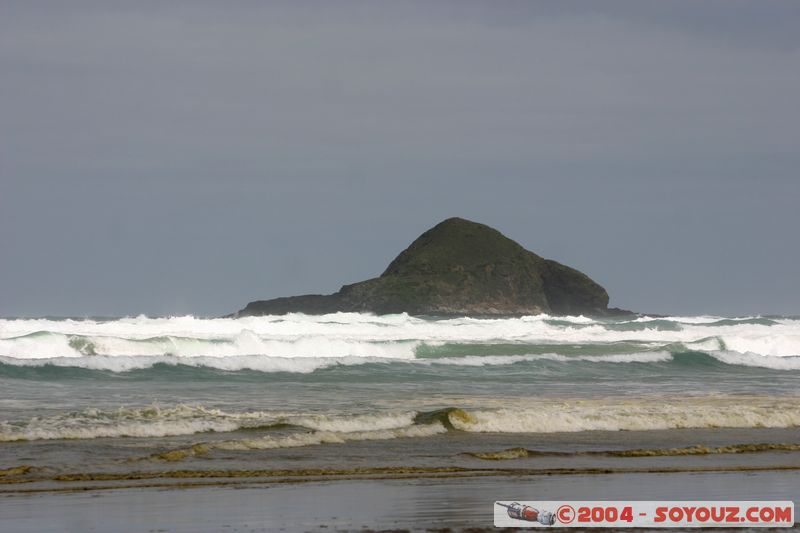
point(168, 158)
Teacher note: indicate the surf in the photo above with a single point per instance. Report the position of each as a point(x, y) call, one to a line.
point(527, 415)
point(252, 335)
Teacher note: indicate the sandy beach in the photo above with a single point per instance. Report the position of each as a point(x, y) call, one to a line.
point(414, 484)
point(411, 504)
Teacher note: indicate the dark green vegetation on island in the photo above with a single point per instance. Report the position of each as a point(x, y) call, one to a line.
point(458, 267)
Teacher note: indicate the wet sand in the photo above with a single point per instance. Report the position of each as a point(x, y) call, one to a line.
point(670, 449)
point(415, 504)
point(416, 484)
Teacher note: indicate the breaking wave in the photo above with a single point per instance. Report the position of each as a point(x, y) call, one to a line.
point(186, 367)
point(273, 429)
point(636, 414)
point(364, 335)
point(48, 344)
point(151, 421)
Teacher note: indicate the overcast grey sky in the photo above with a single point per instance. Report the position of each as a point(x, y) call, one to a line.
point(187, 157)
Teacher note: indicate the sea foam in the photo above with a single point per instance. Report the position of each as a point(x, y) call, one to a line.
point(528, 415)
point(269, 343)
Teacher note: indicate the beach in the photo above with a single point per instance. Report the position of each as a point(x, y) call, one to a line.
point(347, 421)
point(399, 266)
point(409, 504)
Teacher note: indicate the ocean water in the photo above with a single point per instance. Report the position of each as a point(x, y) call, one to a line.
point(188, 388)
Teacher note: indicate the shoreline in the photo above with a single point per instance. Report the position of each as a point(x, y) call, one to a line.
point(277, 477)
point(399, 504)
point(83, 464)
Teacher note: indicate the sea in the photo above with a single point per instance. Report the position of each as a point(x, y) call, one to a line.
point(345, 376)
point(162, 399)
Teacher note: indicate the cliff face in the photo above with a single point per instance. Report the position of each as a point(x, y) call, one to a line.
point(458, 267)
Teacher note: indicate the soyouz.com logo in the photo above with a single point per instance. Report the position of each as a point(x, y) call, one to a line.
point(644, 514)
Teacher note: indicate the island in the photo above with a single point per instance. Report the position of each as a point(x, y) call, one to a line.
point(458, 268)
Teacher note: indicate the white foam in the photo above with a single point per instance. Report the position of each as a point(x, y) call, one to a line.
point(301, 365)
point(155, 421)
point(152, 421)
point(368, 336)
point(328, 437)
point(548, 416)
point(52, 345)
point(523, 415)
point(306, 365)
point(493, 360)
point(757, 360)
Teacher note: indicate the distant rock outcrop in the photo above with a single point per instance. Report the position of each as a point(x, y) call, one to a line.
point(458, 267)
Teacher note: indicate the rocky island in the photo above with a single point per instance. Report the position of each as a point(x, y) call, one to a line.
point(458, 267)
